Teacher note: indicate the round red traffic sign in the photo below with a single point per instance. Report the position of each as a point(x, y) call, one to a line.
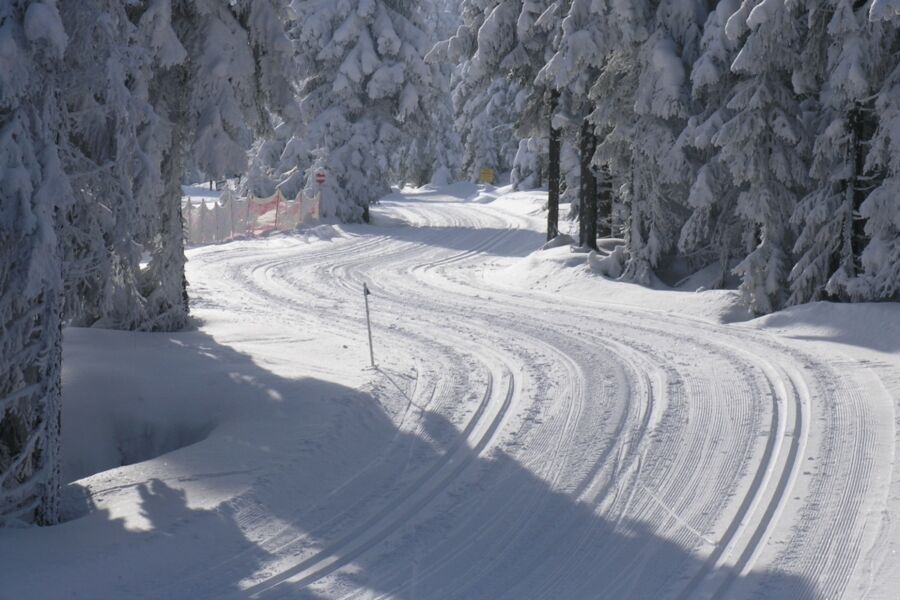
point(320, 177)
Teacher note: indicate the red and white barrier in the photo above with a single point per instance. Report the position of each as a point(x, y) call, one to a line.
point(214, 221)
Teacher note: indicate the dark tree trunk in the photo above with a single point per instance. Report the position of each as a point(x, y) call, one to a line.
point(553, 171)
point(605, 189)
point(588, 191)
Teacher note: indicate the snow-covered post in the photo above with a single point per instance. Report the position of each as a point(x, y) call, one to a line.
point(366, 294)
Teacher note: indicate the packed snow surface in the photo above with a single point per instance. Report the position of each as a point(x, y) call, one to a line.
point(532, 430)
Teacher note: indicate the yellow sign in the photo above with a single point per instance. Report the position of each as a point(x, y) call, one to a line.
point(487, 176)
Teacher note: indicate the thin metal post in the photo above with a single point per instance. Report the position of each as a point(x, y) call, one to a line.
point(366, 293)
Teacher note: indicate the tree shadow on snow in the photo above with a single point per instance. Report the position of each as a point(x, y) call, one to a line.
point(333, 491)
point(490, 241)
point(491, 529)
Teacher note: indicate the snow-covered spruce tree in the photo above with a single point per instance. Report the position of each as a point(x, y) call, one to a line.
point(217, 68)
point(529, 164)
point(487, 101)
point(366, 93)
point(547, 31)
point(713, 230)
point(535, 37)
point(660, 173)
point(486, 122)
point(436, 150)
point(539, 33)
point(106, 107)
point(33, 189)
point(880, 261)
point(765, 144)
point(288, 159)
point(856, 57)
point(582, 51)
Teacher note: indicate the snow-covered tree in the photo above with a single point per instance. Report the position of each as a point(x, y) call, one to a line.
point(880, 260)
point(217, 69)
point(114, 102)
point(661, 175)
point(33, 188)
point(105, 103)
point(539, 31)
point(582, 51)
point(486, 122)
point(713, 230)
point(498, 50)
point(365, 93)
point(855, 55)
point(765, 144)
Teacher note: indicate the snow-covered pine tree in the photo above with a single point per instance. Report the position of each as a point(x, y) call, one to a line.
point(101, 84)
point(437, 150)
point(529, 164)
point(365, 95)
point(486, 121)
point(880, 261)
point(856, 56)
point(765, 144)
point(547, 29)
point(582, 51)
point(660, 173)
point(33, 189)
point(487, 101)
point(537, 33)
point(218, 68)
point(164, 83)
point(713, 230)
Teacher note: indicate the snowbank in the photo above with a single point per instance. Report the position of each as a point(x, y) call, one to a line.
point(583, 277)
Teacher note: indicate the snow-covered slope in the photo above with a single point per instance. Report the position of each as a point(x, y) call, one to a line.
point(532, 430)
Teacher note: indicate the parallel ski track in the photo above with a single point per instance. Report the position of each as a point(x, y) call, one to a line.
point(650, 439)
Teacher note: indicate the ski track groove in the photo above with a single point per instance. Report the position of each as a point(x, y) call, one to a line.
point(654, 428)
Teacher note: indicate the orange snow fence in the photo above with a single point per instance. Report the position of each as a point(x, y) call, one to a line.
point(211, 221)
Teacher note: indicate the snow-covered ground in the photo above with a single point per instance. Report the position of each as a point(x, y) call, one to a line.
point(197, 194)
point(532, 430)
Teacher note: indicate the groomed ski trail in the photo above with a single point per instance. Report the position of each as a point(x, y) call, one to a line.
point(583, 448)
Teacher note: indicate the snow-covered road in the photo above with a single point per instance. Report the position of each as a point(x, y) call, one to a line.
point(522, 442)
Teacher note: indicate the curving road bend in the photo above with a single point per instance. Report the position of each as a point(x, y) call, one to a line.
point(548, 446)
